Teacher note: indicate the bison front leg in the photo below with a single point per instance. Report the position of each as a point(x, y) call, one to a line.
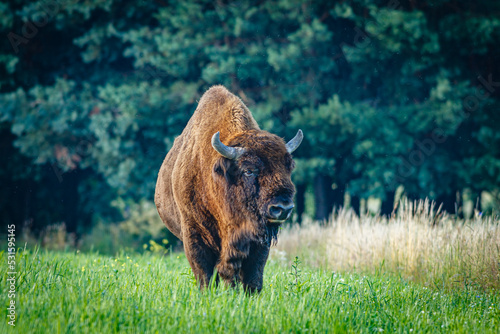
point(229, 271)
point(232, 256)
point(252, 270)
point(201, 259)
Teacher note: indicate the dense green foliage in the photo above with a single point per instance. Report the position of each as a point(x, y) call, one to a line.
point(90, 293)
point(388, 93)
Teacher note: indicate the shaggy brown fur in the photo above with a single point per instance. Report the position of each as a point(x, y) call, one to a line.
point(218, 206)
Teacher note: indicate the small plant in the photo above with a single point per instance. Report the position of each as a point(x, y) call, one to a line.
point(296, 285)
point(187, 272)
point(295, 272)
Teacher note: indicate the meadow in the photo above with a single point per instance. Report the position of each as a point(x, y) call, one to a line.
point(74, 292)
point(418, 242)
point(417, 271)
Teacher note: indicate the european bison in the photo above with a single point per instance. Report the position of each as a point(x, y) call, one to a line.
point(226, 203)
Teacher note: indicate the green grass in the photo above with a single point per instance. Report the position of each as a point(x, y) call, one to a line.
point(89, 293)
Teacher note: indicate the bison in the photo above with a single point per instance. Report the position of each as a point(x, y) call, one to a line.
point(225, 188)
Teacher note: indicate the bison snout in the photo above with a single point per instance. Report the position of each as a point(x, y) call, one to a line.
point(279, 212)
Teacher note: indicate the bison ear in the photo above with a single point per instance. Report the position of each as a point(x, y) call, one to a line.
point(222, 168)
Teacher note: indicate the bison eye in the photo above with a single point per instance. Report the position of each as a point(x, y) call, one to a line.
point(249, 172)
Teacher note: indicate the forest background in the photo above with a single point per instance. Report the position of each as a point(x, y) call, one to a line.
point(395, 98)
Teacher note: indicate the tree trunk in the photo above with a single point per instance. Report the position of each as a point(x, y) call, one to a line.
point(300, 202)
point(28, 205)
point(448, 201)
point(338, 195)
point(477, 202)
point(355, 204)
point(323, 196)
point(70, 201)
point(388, 204)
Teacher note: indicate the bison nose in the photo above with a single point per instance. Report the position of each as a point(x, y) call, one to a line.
point(280, 212)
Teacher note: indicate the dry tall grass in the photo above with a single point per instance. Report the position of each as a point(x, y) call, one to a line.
point(419, 243)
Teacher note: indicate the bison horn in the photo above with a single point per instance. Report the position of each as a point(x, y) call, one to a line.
point(294, 143)
point(232, 153)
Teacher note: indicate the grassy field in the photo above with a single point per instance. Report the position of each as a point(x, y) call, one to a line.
point(73, 292)
point(418, 243)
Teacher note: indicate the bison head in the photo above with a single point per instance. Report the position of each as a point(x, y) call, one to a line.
point(255, 169)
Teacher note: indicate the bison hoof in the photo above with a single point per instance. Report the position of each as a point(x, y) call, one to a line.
point(251, 289)
point(230, 272)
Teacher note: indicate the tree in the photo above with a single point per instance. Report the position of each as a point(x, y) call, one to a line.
point(93, 95)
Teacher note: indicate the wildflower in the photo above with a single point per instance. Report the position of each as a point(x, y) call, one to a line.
point(83, 268)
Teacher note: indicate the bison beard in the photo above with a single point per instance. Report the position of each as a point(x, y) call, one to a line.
point(226, 202)
point(272, 234)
